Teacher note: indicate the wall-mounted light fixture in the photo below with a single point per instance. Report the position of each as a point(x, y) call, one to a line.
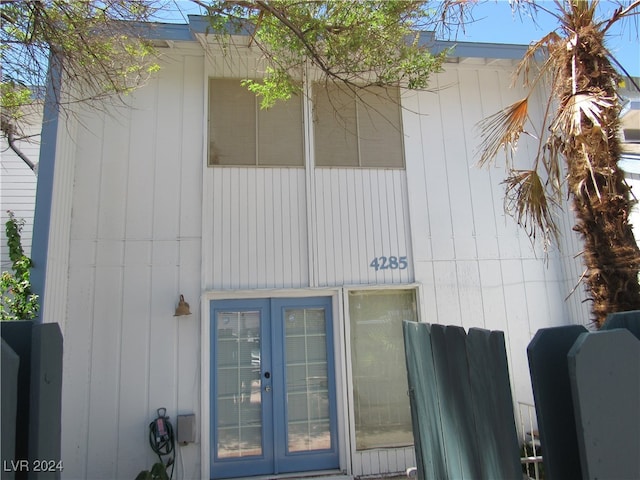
point(182, 308)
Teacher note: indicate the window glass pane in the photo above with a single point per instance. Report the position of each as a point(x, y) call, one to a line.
point(382, 411)
point(308, 423)
point(350, 133)
point(239, 392)
point(280, 134)
point(237, 124)
point(232, 123)
point(335, 127)
point(380, 128)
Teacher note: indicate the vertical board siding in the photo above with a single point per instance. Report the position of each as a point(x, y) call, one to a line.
point(361, 214)
point(135, 246)
point(479, 269)
point(18, 184)
point(382, 462)
point(257, 224)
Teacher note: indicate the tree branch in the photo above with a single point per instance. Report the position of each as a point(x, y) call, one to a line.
point(11, 140)
point(296, 31)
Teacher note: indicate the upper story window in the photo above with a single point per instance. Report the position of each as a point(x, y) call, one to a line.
point(240, 133)
point(357, 131)
point(363, 130)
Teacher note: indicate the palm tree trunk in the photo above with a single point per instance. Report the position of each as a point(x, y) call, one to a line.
point(600, 195)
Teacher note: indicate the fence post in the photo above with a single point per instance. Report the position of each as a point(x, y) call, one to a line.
point(18, 335)
point(547, 353)
point(425, 414)
point(10, 365)
point(629, 320)
point(493, 404)
point(45, 426)
point(604, 369)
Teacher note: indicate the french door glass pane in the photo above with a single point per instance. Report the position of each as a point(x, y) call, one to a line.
point(239, 393)
point(308, 426)
point(382, 411)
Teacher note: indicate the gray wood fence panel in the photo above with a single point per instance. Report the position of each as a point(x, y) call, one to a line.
point(450, 358)
point(18, 335)
point(604, 370)
point(10, 365)
point(461, 403)
point(547, 353)
point(46, 397)
point(629, 320)
point(427, 429)
point(446, 410)
point(493, 402)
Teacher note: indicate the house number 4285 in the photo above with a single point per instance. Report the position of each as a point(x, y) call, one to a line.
point(389, 263)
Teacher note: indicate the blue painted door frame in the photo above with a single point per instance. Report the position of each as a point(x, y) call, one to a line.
point(269, 388)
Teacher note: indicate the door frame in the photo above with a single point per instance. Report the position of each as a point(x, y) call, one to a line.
point(339, 362)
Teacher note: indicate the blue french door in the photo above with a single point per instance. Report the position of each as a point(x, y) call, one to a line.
point(273, 396)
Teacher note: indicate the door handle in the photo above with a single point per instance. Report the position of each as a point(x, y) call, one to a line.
point(267, 388)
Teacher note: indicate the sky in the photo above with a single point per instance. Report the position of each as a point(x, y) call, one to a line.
point(495, 23)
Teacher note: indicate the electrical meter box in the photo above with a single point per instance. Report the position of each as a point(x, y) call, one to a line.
point(186, 428)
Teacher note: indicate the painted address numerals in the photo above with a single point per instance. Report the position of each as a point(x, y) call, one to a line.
point(389, 263)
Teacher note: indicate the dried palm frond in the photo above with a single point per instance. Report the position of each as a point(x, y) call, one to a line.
point(502, 130)
point(526, 199)
point(532, 58)
point(552, 162)
point(578, 108)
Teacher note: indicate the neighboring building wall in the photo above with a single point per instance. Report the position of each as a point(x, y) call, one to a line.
point(18, 185)
point(630, 161)
point(633, 179)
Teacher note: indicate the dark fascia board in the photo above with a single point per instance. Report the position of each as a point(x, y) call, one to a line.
point(182, 32)
point(473, 49)
point(199, 24)
point(481, 50)
point(174, 32)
